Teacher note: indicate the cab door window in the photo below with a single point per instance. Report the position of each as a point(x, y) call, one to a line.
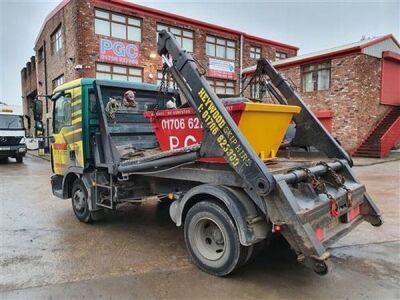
point(62, 112)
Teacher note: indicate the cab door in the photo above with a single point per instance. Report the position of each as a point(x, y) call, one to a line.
point(67, 150)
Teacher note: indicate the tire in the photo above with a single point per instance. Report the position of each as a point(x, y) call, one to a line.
point(79, 201)
point(212, 239)
point(19, 159)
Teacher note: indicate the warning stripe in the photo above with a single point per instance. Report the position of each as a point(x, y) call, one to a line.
point(59, 146)
point(76, 113)
point(79, 130)
point(76, 120)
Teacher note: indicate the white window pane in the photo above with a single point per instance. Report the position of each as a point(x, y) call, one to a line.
point(219, 83)
point(134, 34)
point(118, 18)
point(117, 69)
point(230, 84)
point(135, 22)
point(103, 67)
point(252, 49)
point(323, 80)
point(134, 71)
point(210, 39)
point(220, 42)
point(119, 77)
point(175, 31)
point(188, 33)
point(102, 14)
point(220, 51)
point(135, 79)
point(220, 90)
point(230, 91)
point(308, 84)
point(230, 53)
point(118, 30)
point(100, 75)
point(230, 44)
point(187, 44)
point(210, 49)
point(102, 27)
point(162, 27)
point(159, 75)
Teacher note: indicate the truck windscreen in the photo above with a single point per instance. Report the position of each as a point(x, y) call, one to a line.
point(8, 122)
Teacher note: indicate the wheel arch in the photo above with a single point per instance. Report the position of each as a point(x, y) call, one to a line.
point(68, 181)
point(252, 225)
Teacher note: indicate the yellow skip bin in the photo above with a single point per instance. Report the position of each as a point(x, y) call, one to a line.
point(264, 125)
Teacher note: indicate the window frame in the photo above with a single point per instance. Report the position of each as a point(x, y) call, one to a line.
point(127, 73)
point(213, 83)
point(126, 24)
point(40, 54)
point(278, 55)
point(56, 40)
point(215, 44)
point(182, 36)
point(253, 51)
point(55, 82)
point(315, 74)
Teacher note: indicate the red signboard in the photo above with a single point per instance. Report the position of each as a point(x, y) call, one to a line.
point(118, 52)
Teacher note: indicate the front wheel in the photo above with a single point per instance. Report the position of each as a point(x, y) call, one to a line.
point(80, 202)
point(212, 239)
point(19, 159)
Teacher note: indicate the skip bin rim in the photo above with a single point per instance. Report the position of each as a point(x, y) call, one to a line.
point(268, 107)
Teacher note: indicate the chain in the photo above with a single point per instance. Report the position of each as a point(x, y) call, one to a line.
point(320, 188)
point(339, 181)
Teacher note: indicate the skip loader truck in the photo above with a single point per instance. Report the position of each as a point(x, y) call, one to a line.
point(216, 160)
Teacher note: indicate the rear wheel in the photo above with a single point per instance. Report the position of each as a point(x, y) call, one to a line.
point(212, 239)
point(80, 202)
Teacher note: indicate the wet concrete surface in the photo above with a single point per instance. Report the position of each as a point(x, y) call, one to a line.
point(138, 252)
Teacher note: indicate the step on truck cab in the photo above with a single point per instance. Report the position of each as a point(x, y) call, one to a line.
point(231, 190)
point(12, 134)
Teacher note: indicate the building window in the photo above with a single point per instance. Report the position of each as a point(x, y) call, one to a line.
point(40, 54)
point(220, 48)
point(316, 77)
point(184, 37)
point(167, 78)
point(58, 81)
point(56, 40)
point(118, 26)
point(115, 72)
point(255, 52)
point(222, 87)
point(280, 55)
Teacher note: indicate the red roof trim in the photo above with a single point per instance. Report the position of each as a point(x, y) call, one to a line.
point(391, 55)
point(320, 57)
point(189, 21)
point(385, 37)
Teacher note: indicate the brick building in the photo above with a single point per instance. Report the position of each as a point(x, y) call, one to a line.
point(358, 84)
point(117, 39)
point(29, 92)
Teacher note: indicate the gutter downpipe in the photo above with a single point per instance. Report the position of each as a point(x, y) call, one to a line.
point(241, 65)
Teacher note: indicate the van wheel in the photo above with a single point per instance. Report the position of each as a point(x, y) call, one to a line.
point(19, 159)
point(212, 239)
point(80, 202)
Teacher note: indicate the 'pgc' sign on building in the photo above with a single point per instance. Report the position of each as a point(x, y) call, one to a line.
point(119, 52)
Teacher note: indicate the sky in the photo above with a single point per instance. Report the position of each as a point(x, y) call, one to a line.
point(310, 25)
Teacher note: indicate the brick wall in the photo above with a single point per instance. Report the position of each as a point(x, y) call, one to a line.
point(29, 92)
point(353, 97)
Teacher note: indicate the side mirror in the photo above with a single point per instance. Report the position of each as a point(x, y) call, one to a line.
point(39, 130)
point(38, 111)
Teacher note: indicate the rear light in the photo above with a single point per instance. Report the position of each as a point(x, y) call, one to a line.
point(352, 213)
point(277, 228)
point(319, 233)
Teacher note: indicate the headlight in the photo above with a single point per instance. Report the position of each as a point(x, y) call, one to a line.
point(22, 149)
point(22, 141)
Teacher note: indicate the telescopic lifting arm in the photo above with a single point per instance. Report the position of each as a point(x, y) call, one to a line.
point(221, 133)
point(309, 130)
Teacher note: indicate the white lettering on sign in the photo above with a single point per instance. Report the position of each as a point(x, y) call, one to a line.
point(180, 124)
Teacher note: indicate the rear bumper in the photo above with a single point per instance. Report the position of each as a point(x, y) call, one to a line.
point(13, 151)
